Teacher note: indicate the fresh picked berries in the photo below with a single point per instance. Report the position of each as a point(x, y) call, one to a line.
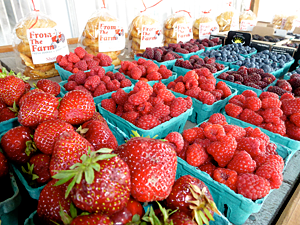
point(146, 107)
point(231, 154)
point(196, 63)
point(252, 77)
point(160, 54)
point(209, 43)
point(145, 70)
point(97, 82)
point(287, 86)
point(81, 60)
point(185, 48)
point(201, 84)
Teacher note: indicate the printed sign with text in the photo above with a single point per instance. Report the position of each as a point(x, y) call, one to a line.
point(184, 32)
point(111, 37)
point(247, 25)
point(46, 43)
point(151, 36)
point(206, 29)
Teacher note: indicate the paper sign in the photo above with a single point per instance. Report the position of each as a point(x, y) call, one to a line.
point(235, 22)
point(247, 25)
point(184, 32)
point(151, 36)
point(206, 29)
point(111, 36)
point(46, 44)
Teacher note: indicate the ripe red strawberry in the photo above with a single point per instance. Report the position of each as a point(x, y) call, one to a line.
point(11, 89)
point(48, 132)
point(2, 104)
point(180, 218)
point(99, 135)
point(105, 175)
point(76, 107)
point(68, 149)
point(242, 163)
point(98, 116)
point(92, 219)
point(226, 176)
point(109, 105)
point(223, 150)
point(147, 122)
point(6, 114)
point(17, 144)
point(189, 191)
point(151, 178)
point(49, 203)
point(3, 165)
point(175, 139)
point(252, 186)
point(25, 96)
point(37, 108)
point(196, 155)
point(48, 86)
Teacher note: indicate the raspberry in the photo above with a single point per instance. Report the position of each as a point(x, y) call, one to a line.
point(113, 85)
point(291, 106)
point(190, 135)
point(223, 150)
point(217, 118)
point(235, 131)
point(295, 118)
point(136, 73)
point(139, 97)
point(110, 74)
point(189, 102)
point(158, 86)
point(271, 112)
point(154, 76)
point(72, 77)
point(165, 73)
point(271, 149)
point(100, 71)
point(69, 67)
point(144, 108)
point(276, 161)
point(80, 77)
point(105, 60)
point(80, 52)
point(120, 97)
point(272, 175)
point(92, 82)
point(157, 56)
point(91, 64)
point(109, 105)
point(81, 65)
point(125, 83)
point(70, 85)
point(100, 90)
point(175, 139)
point(73, 58)
point(119, 76)
point(226, 90)
point(211, 68)
point(186, 64)
point(178, 106)
point(252, 186)
point(252, 117)
point(143, 85)
point(206, 97)
point(257, 133)
point(277, 90)
point(196, 155)
point(180, 88)
point(141, 61)
point(249, 93)
point(285, 85)
point(286, 96)
point(233, 110)
point(214, 132)
point(166, 95)
point(191, 83)
point(165, 119)
point(152, 68)
point(242, 163)
point(253, 103)
point(218, 94)
point(64, 61)
point(155, 100)
point(292, 131)
point(268, 95)
point(160, 110)
point(223, 76)
point(250, 145)
point(240, 98)
point(171, 56)
point(278, 128)
point(271, 103)
point(226, 176)
point(181, 50)
point(131, 117)
point(147, 122)
point(208, 168)
point(87, 57)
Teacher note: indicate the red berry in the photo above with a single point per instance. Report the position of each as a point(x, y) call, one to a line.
point(196, 155)
point(147, 122)
point(226, 176)
point(242, 163)
point(175, 139)
point(109, 105)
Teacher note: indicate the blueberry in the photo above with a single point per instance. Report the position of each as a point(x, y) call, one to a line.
point(252, 65)
point(219, 58)
point(266, 51)
point(218, 54)
point(267, 68)
point(274, 64)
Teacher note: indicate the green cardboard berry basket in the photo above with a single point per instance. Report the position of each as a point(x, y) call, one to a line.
point(287, 66)
point(9, 207)
point(169, 64)
point(164, 81)
point(202, 111)
point(241, 88)
point(8, 124)
point(276, 138)
point(249, 55)
point(238, 207)
point(174, 124)
point(64, 74)
point(188, 56)
point(182, 71)
point(287, 76)
point(207, 49)
point(276, 73)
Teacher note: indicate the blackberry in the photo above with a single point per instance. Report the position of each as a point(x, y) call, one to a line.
point(211, 68)
point(211, 43)
point(294, 81)
point(277, 90)
point(197, 66)
point(149, 52)
point(178, 62)
point(223, 76)
point(157, 55)
point(200, 61)
point(230, 78)
point(176, 55)
point(297, 92)
point(250, 84)
point(181, 50)
point(186, 64)
point(238, 77)
point(261, 84)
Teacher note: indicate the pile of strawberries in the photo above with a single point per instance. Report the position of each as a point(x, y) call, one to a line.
point(237, 157)
point(287, 86)
point(267, 111)
point(195, 62)
point(81, 60)
point(146, 107)
point(145, 70)
point(97, 82)
point(252, 77)
point(200, 84)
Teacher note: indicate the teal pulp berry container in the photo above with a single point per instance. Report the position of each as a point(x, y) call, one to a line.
point(249, 55)
point(8, 124)
point(207, 49)
point(241, 88)
point(174, 124)
point(188, 56)
point(9, 207)
point(164, 81)
point(202, 111)
point(238, 207)
point(64, 74)
point(287, 76)
point(182, 71)
point(276, 138)
point(287, 66)
point(169, 64)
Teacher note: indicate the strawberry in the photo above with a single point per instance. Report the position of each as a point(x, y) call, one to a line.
point(226, 176)
point(11, 89)
point(17, 144)
point(99, 135)
point(252, 186)
point(6, 114)
point(25, 96)
point(68, 149)
point(92, 219)
point(37, 108)
point(105, 175)
point(196, 155)
point(2, 104)
point(48, 86)
point(180, 218)
point(242, 163)
point(51, 200)
point(48, 132)
point(191, 196)
point(76, 107)
point(3, 165)
point(151, 177)
point(175, 139)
